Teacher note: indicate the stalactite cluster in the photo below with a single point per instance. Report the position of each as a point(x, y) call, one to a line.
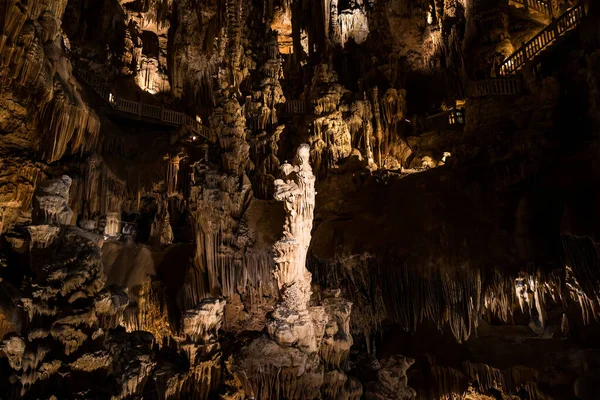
point(32, 57)
point(474, 380)
point(18, 191)
point(98, 189)
point(150, 313)
point(410, 294)
point(164, 259)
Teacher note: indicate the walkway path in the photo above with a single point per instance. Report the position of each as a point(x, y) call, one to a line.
point(144, 111)
point(495, 87)
point(508, 83)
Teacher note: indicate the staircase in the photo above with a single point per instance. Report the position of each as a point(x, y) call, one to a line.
point(547, 37)
point(542, 6)
point(143, 111)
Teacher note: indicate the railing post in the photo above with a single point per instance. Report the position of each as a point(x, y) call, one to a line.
point(162, 112)
point(140, 109)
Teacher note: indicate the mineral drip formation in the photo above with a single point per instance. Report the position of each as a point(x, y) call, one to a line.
point(304, 352)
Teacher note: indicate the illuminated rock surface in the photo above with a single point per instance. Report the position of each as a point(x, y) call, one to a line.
point(308, 199)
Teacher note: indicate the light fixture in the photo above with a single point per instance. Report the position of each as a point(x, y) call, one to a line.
point(193, 137)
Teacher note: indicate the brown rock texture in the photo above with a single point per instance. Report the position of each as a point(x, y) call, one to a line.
point(308, 199)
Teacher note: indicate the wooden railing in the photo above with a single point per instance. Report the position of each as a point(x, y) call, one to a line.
point(295, 107)
point(495, 87)
point(558, 27)
point(542, 117)
point(543, 6)
point(140, 109)
point(445, 119)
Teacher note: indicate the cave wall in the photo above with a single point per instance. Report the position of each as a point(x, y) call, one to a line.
point(164, 245)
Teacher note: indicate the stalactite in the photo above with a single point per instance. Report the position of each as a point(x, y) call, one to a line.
point(204, 378)
point(499, 297)
point(358, 286)
point(98, 190)
point(67, 121)
point(24, 181)
point(234, 9)
point(173, 173)
point(158, 12)
point(221, 270)
point(326, 4)
point(590, 307)
point(28, 63)
point(16, 17)
point(334, 28)
point(67, 126)
point(378, 125)
point(451, 383)
point(410, 293)
point(583, 258)
point(272, 382)
point(508, 380)
point(353, 24)
point(150, 314)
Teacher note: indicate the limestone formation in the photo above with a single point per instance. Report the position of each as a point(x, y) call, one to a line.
point(51, 203)
point(308, 199)
point(392, 381)
point(74, 277)
point(288, 362)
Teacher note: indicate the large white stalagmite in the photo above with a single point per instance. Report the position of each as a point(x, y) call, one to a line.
point(287, 363)
point(292, 321)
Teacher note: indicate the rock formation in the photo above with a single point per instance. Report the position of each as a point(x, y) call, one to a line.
point(274, 199)
point(66, 308)
point(391, 380)
point(306, 347)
